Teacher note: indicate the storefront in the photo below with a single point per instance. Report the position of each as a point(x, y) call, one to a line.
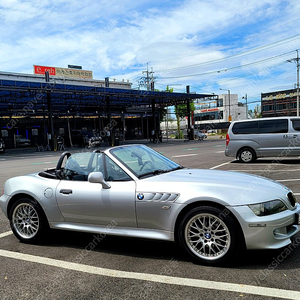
point(280, 103)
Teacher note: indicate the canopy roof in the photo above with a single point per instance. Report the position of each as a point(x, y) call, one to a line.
point(31, 97)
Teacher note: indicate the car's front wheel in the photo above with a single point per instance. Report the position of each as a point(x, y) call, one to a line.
point(209, 235)
point(27, 220)
point(246, 155)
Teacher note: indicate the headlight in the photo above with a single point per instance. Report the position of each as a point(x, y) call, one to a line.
point(268, 208)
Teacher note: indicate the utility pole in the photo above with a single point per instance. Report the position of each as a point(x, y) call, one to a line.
point(297, 85)
point(148, 80)
point(50, 117)
point(229, 116)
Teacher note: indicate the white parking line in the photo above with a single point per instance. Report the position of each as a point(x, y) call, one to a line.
point(2, 235)
point(221, 165)
point(184, 155)
point(284, 180)
point(198, 283)
point(266, 170)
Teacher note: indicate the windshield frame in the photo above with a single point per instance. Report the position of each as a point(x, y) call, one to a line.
point(131, 157)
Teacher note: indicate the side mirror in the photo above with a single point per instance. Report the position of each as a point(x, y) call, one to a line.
point(97, 177)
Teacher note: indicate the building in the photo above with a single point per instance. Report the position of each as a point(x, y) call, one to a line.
point(280, 103)
point(54, 101)
point(217, 114)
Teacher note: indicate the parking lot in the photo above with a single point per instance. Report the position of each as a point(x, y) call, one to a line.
point(68, 267)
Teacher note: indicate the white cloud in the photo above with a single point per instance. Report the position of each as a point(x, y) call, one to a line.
point(176, 38)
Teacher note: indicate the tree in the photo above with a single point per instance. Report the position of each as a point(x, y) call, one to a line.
point(181, 111)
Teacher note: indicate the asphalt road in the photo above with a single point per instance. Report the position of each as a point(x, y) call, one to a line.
point(84, 266)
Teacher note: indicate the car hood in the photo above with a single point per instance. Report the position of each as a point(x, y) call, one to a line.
point(225, 187)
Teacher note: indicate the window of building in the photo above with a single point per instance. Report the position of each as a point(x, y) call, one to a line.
point(268, 107)
point(282, 106)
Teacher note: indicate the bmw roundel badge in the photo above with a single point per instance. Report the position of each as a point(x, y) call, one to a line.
point(140, 196)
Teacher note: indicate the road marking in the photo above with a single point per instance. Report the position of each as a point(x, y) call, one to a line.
point(267, 170)
point(198, 283)
point(283, 180)
point(2, 235)
point(190, 149)
point(184, 155)
point(221, 165)
point(45, 162)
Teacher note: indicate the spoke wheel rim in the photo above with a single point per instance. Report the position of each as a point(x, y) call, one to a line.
point(25, 220)
point(207, 236)
point(246, 156)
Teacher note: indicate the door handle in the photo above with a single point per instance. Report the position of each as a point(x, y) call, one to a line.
point(289, 136)
point(66, 191)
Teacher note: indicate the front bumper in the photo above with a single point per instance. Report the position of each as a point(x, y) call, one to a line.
point(269, 232)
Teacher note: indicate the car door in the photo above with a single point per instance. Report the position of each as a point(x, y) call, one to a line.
point(89, 203)
point(273, 137)
point(294, 137)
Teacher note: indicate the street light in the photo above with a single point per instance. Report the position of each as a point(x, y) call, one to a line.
point(297, 62)
point(245, 97)
point(229, 116)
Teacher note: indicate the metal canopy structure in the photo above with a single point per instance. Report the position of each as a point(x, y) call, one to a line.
point(30, 98)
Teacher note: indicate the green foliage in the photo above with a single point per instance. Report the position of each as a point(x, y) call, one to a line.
point(181, 111)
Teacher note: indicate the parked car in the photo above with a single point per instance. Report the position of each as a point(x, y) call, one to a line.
point(250, 139)
point(200, 135)
point(2, 146)
point(134, 191)
point(22, 141)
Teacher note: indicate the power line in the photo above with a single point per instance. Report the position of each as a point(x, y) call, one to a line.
point(230, 68)
point(274, 44)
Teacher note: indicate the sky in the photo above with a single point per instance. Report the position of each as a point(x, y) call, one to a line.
point(236, 45)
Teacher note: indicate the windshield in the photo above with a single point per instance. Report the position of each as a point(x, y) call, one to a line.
point(143, 161)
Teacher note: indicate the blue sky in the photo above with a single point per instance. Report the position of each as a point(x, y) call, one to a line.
point(241, 45)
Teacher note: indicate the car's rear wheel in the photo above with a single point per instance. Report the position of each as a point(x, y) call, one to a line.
point(247, 155)
point(209, 235)
point(27, 220)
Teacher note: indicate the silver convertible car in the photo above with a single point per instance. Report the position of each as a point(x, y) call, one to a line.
point(134, 191)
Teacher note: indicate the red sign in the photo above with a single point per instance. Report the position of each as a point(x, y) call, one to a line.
point(63, 72)
point(209, 110)
point(42, 69)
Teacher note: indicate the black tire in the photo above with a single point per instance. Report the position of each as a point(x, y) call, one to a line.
point(28, 221)
point(209, 235)
point(247, 155)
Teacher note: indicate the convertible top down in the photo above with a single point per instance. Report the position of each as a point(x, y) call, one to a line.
point(211, 214)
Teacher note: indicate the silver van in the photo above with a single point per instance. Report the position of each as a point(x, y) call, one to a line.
point(249, 139)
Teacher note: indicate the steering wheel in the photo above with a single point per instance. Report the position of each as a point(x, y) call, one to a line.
point(144, 164)
point(58, 169)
